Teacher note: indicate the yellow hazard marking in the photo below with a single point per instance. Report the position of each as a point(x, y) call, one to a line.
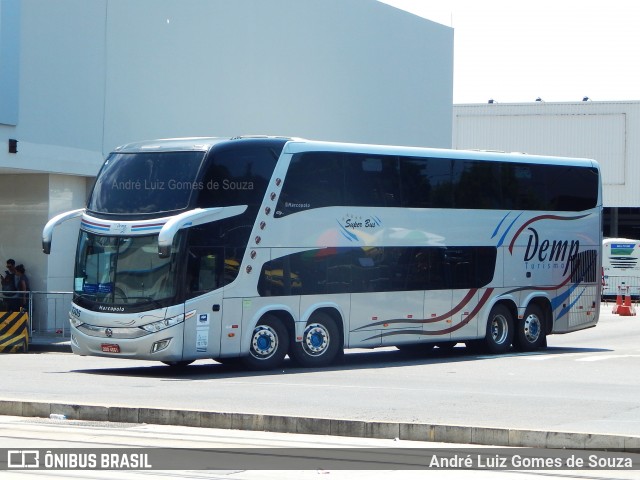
point(14, 332)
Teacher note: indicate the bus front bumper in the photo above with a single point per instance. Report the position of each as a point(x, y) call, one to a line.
point(163, 346)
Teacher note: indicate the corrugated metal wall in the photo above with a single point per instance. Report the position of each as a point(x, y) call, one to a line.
point(608, 132)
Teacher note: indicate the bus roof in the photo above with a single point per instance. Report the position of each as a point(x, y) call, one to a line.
point(299, 145)
point(607, 241)
point(188, 143)
point(170, 144)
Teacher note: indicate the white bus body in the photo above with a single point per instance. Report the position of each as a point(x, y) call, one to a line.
point(621, 267)
point(262, 247)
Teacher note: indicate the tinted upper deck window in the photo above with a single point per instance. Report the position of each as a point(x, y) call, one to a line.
point(314, 180)
point(325, 179)
point(148, 182)
point(236, 176)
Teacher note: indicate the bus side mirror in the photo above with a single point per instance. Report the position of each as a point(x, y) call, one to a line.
point(47, 231)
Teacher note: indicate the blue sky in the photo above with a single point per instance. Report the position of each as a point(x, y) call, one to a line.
point(561, 51)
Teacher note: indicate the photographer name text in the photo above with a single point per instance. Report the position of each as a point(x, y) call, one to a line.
point(181, 185)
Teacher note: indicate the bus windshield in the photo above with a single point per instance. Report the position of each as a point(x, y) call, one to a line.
point(143, 183)
point(123, 271)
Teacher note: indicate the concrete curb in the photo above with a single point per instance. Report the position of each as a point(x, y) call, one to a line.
point(503, 437)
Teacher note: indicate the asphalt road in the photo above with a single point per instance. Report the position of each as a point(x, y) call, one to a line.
point(584, 382)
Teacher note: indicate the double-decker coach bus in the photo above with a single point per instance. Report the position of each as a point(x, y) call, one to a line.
point(262, 247)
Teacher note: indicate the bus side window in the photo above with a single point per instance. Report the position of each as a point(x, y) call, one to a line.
point(314, 180)
point(372, 180)
point(208, 277)
point(235, 177)
point(201, 272)
point(427, 182)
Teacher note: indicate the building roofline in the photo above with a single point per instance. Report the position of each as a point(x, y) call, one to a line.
point(543, 103)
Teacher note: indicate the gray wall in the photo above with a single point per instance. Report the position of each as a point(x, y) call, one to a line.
point(345, 70)
point(100, 73)
point(95, 74)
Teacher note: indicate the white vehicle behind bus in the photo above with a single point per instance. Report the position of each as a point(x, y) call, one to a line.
point(621, 267)
point(262, 247)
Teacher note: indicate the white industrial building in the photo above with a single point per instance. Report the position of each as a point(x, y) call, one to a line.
point(78, 78)
point(608, 132)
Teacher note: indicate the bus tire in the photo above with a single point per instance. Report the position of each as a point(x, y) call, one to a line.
point(530, 330)
point(320, 344)
point(499, 333)
point(269, 344)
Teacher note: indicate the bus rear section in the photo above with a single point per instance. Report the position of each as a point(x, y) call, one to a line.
point(621, 267)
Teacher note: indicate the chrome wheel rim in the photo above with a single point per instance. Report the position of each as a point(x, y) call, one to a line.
point(499, 329)
point(532, 328)
point(264, 342)
point(315, 339)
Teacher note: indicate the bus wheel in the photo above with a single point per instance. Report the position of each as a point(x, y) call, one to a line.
point(268, 346)
point(179, 363)
point(320, 343)
point(530, 334)
point(499, 330)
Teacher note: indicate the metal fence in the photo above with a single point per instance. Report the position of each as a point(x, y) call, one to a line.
point(48, 311)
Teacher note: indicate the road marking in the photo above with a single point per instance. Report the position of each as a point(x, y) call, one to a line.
point(597, 358)
point(539, 357)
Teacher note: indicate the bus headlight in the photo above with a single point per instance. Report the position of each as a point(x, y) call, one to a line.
point(75, 322)
point(162, 324)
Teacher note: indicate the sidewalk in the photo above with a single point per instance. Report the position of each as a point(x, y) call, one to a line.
point(50, 342)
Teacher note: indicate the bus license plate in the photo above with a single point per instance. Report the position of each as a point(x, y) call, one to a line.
point(110, 348)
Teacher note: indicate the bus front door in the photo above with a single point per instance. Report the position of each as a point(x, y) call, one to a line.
point(203, 326)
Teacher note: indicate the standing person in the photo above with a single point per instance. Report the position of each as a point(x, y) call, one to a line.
point(23, 287)
point(10, 286)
